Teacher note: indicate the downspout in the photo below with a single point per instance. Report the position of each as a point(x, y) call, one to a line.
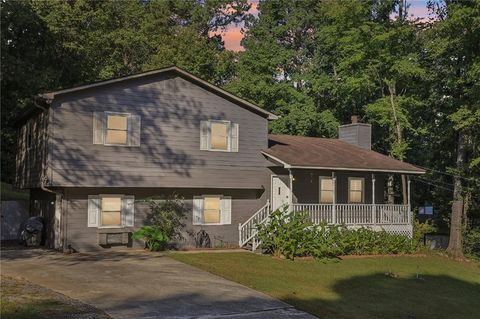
point(60, 220)
point(60, 242)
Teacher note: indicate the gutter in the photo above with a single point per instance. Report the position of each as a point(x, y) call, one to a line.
point(289, 166)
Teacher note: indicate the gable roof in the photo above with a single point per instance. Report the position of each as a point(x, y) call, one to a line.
point(324, 153)
point(48, 97)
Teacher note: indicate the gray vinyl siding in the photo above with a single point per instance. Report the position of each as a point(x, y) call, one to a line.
point(306, 185)
point(171, 109)
point(31, 163)
point(83, 238)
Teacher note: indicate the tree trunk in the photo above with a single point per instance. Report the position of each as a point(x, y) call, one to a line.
point(398, 131)
point(455, 244)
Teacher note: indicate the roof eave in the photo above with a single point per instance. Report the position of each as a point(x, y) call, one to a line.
point(49, 96)
point(380, 170)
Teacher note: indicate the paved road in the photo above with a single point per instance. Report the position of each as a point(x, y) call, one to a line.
point(138, 284)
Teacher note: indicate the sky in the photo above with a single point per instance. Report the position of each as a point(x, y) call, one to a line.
point(233, 35)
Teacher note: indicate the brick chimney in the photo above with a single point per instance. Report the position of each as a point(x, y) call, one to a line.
point(359, 134)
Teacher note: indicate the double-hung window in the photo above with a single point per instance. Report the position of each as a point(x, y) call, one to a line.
point(212, 210)
point(111, 213)
point(356, 190)
point(326, 190)
point(219, 135)
point(111, 210)
point(116, 132)
point(117, 129)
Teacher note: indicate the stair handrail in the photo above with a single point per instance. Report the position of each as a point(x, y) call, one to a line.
point(249, 225)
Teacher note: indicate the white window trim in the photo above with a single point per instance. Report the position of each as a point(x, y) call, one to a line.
point(101, 196)
point(363, 190)
point(229, 140)
point(105, 127)
point(320, 189)
point(203, 210)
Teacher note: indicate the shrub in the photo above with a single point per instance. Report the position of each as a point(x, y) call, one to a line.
point(167, 215)
point(293, 235)
point(154, 238)
point(421, 229)
point(165, 223)
point(471, 242)
point(285, 234)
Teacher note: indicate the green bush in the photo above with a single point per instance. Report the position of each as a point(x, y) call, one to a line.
point(165, 222)
point(293, 235)
point(471, 242)
point(285, 234)
point(153, 237)
point(420, 229)
point(168, 215)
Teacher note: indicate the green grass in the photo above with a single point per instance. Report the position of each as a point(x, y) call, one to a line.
point(356, 288)
point(8, 192)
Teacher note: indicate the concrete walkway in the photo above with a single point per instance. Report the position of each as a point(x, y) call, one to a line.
point(137, 284)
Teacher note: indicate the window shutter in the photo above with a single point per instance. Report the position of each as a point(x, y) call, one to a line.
point(226, 210)
point(204, 135)
point(134, 130)
point(128, 210)
point(234, 137)
point(197, 210)
point(93, 210)
point(98, 127)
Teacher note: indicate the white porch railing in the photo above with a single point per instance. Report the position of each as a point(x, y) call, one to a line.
point(356, 214)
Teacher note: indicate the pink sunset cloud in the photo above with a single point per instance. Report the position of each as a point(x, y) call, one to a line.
point(233, 35)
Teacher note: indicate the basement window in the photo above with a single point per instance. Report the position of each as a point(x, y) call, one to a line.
point(111, 214)
point(212, 210)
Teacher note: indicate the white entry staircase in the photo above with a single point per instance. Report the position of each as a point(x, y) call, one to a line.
point(394, 219)
point(247, 231)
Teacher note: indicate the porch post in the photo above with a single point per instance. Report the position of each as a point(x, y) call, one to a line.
point(334, 199)
point(58, 231)
point(290, 175)
point(374, 220)
point(409, 202)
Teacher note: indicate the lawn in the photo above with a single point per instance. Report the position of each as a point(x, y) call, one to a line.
point(379, 287)
point(21, 299)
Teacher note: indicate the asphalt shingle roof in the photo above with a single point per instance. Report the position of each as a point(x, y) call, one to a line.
point(314, 152)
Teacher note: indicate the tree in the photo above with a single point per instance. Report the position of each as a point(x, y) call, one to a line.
point(53, 44)
point(454, 50)
point(32, 61)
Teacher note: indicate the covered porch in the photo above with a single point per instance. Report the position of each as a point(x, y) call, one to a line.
point(351, 198)
point(335, 182)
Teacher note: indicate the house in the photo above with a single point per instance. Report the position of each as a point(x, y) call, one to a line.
point(92, 154)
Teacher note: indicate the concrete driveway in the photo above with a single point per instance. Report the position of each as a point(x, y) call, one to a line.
point(137, 284)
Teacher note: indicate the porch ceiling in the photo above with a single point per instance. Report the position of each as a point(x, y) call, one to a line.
point(323, 153)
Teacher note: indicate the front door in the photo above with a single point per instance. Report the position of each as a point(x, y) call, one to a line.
point(280, 191)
